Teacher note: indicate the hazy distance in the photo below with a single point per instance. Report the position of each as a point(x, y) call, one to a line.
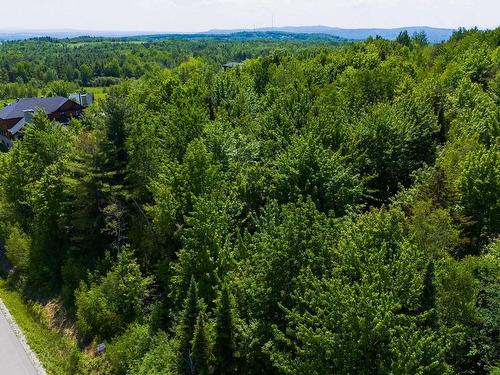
point(203, 15)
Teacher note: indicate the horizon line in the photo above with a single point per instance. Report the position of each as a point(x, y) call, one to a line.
point(61, 30)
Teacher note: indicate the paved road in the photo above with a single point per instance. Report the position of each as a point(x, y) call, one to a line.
point(13, 358)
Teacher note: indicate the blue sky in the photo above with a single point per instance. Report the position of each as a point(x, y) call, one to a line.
point(201, 15)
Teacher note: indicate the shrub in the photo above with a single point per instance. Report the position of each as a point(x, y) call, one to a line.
point(17, 248)
point(127, 350)
point(116, 300)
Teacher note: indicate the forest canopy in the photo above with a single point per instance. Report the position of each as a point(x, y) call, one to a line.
point(320, 208)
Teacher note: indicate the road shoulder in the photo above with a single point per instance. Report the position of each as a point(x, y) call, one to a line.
point(4, 311)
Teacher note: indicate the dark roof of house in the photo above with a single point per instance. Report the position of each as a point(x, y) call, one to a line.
point(15, 110)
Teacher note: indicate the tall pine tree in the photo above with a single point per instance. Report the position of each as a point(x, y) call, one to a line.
point(200, 355)
point(225, 343)
point(186, 328)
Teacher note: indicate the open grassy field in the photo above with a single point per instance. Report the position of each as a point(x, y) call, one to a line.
point(100, 93)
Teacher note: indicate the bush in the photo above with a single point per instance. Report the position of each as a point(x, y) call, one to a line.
point(105, 81)
point(127, 350)
point(17, 248)
point(94, 316)
point(118, 299)
point(60, 88)
point(160, 360)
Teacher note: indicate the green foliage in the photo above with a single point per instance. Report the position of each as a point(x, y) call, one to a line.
point(464, 305)
point(306, 169)
point(433, 229)
point(186, 329)
point(17, 248)
point(60, 88)
point(316, 209)
point(288, 239)
point(95, 316)
point(420, 38)
point(114, 300)
point(480, 190)
point(396, 140)
point(159, 360)
point(370, 295)
point(204, 255)
point(127, 350)
point(200, 353)
point(404, 38)
point(488, 307)
point(225, 349)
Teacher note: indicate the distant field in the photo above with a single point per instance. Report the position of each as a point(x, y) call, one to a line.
point(100, 93)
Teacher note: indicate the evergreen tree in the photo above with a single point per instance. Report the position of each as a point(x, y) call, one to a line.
point(200, 355)
point(186, 328)
point(404, 38)
point(428, 298)
point(225, 343)
point(85, 192)
point(116, 113)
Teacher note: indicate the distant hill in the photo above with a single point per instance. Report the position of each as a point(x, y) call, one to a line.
point(245, 35)
point(233, 36)
point(7, 35)
point(435, 35)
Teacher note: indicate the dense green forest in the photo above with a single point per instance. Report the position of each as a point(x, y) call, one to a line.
point(55, 66)
point(324, 208)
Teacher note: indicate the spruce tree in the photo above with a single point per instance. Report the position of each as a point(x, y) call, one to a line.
point(186, 328)
point(225, 344)
point(428, 297)
point(200, 355)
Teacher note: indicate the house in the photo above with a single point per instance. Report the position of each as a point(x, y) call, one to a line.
point(85, 99)
point(230, 65)
point(14, 116)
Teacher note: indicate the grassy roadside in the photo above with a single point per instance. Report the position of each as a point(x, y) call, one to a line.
point(58, 354)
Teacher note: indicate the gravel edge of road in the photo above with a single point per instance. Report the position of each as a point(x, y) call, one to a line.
point(22, 339)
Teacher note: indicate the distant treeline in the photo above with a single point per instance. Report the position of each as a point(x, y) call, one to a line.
point(27, 66)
